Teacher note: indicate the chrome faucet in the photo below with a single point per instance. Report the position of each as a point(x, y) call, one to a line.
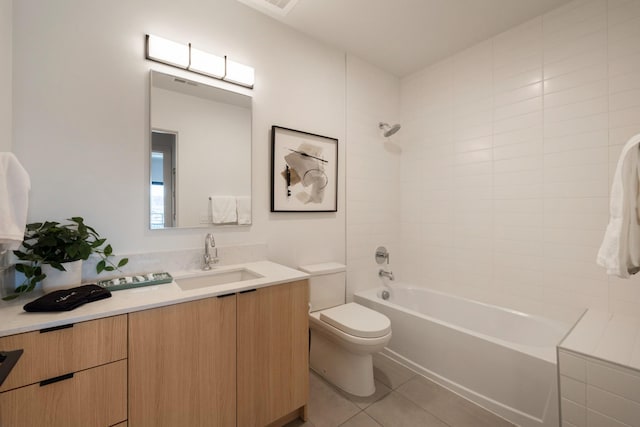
point(385, 273)
point(209, 242)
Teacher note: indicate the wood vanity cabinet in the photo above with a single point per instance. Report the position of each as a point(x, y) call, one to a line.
point(182, 364)
point(234, 360)
point(237, 360)
point(72, 375)
point(273, 354)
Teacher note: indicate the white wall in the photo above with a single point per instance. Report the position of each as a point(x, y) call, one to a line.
point(81, 115)
point(509, 148)
point(5, 74)
point(373, 172)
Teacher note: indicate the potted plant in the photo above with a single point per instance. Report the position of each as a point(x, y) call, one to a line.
point(51, 247)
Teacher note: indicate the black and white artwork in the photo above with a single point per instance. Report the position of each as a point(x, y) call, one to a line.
point(304, 171)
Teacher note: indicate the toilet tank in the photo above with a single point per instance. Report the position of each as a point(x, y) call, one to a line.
point(327, 284)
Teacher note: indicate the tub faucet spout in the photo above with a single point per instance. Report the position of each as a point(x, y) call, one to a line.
point(385, 273)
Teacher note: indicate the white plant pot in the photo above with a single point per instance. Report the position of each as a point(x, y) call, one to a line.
point(57, 279)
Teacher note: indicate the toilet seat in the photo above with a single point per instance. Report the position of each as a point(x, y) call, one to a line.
point(357, 320)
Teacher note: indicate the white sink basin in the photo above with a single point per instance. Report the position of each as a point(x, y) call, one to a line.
point(215, 278)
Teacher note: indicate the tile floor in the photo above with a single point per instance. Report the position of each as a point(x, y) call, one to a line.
point(402, 399)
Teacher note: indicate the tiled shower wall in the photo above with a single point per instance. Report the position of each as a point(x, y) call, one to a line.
point(373, 172)
point(508, 150)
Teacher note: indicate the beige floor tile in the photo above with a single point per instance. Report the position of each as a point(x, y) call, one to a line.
point(448, 406)
point(364, 402)
point(327, 407)
point(394, 410)
point(361, 420)
point(390, 373)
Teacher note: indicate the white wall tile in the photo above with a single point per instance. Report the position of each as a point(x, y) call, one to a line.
point(520, 122)
point(618, 340)
point(587, 156)
point(572, 366)
point(534, 158)
point(577, 93)
point(596, 419)
point(624, 100)
point(374, 170)
point(516, 95)
point(559, 52)
point(574, 63)
point(518, 108)
point(599, 138)
point(622, 10)
point(623, 82)
point(580, 31)
point(586, 108)
point(573, 390)
point(624, 64)
point(518, 135)
point(626, 117)
point(580, 77)
point(627, 30)
point(524, 78)
point(614, 406)
point(572, 413)
point(620, 381)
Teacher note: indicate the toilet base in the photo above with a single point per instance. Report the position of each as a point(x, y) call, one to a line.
point(348, 371)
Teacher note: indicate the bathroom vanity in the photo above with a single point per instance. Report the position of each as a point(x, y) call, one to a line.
point(235, 353)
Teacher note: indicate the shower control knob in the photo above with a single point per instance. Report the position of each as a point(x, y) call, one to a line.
point(382, 255)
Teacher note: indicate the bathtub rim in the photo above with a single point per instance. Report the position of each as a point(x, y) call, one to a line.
point(547, 353)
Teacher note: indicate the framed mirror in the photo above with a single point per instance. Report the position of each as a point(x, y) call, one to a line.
point(200, 157)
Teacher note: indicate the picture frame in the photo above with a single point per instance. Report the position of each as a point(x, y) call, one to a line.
point(304, 171)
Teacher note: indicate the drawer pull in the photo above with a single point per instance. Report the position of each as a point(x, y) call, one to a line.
point(248, 290)
point(226, 295)
point(56, 328)
point(56, 379)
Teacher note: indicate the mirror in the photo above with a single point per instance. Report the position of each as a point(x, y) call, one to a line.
point(200, 160)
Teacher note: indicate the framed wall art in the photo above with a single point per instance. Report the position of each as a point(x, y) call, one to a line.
point(304, 171)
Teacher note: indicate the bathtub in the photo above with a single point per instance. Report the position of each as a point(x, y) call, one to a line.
point(503, 360)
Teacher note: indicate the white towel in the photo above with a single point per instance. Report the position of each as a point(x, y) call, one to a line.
point(223, 210)
point(620, 249)
point(244, 209)
point(14, 200)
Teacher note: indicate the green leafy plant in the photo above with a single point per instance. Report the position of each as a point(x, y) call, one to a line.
point(53, 243)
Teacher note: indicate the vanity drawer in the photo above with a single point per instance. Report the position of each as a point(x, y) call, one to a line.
point(70, 348)
point(95, 397)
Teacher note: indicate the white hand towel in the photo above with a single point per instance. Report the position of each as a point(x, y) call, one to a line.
point(223, 210)
point(14, 200)
point(620, 249)
point(244, 209)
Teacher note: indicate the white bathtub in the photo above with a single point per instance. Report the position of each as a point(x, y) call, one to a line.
point(503, 360)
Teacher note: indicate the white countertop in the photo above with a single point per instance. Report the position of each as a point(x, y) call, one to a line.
point(13, 319)
point(610, 337)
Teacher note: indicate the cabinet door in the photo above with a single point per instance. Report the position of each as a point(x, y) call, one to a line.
point(182, 364)
point(273, 353)
point(94, 397)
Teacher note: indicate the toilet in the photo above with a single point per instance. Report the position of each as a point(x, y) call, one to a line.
point(343, 336)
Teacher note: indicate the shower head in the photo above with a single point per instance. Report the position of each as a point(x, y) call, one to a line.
point(388, 130)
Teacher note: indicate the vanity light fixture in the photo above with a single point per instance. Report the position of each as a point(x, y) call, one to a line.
point(239, 73)
point(167, 52)
point(206, 63)
point(195, 60)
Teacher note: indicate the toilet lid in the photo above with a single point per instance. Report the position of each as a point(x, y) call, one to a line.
point(357, 320)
